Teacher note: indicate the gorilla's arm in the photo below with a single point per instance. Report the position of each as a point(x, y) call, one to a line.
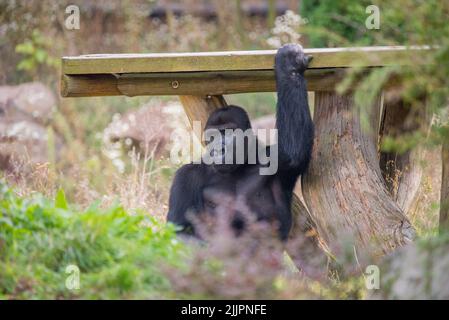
point(293, 119)
point(186, 195)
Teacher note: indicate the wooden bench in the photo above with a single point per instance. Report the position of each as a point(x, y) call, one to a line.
point(344, 190)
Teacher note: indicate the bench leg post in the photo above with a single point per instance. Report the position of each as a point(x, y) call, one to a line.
point(198, 108)
point(402, 171)
point(444, 197)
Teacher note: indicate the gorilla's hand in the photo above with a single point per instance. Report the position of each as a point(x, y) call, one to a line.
point(291, 60)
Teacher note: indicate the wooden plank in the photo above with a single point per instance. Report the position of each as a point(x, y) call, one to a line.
point(236, 60)
point(89, 85)
point(219, 83)
point(189, 83)
point(196, 83)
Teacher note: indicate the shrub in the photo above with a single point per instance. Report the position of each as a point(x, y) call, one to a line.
point(118, 254)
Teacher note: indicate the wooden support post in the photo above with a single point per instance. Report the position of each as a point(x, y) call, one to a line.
point(198, 108)
point(402, 171)
point(444, 198)
point(95, 85)
point(344, 189)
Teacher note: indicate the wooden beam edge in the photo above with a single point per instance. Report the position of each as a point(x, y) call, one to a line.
point(189, 83)
point(237, 60)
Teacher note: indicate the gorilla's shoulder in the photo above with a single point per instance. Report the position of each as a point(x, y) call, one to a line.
point(192, 170)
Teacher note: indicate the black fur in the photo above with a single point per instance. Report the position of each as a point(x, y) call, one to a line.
point(268, 197)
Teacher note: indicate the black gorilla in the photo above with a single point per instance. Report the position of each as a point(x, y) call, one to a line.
point(239, 190)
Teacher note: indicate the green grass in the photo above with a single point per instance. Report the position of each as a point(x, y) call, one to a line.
point(256, 104)
point(119, 254)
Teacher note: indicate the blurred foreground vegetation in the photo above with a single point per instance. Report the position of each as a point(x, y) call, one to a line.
point(133, 256)
point(117, 253)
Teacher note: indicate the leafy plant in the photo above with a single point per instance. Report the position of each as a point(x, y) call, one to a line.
point(118, 254)
point(422, 80)
point(36, 53)
point(333, 23)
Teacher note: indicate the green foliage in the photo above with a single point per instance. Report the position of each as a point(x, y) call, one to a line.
point(335, 23)
point(35, 52)
point(256, 104)
point(119, 255)
point(423, 84)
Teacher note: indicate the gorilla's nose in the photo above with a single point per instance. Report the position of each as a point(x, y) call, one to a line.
point(238, 223)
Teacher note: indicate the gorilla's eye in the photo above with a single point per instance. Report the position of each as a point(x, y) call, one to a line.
point(238, 223)
point(210, 204)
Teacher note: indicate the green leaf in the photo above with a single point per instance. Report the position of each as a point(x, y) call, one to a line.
point(40, 55)
point(26, 64)
point(60, 200)
point(25, 48)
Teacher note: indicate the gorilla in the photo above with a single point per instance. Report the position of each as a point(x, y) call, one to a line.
point(237, 189)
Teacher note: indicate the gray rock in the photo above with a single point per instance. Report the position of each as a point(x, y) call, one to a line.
point(28, 100)
point(146, 129)
point(418, 271)
point(25, 111)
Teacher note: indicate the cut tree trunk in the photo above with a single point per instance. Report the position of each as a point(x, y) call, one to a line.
point(444, 200)
point(402, 171)
point(344, 188)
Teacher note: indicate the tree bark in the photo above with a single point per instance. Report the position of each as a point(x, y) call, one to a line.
point(402, 171)
point(344, 189)
point(444, 198)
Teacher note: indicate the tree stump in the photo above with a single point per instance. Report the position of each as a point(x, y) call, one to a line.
point(344, 189)
point(402, 171)
point(444, 201)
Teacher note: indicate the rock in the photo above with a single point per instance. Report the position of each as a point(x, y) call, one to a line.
point(418, 271)
point(31, 100)
point(147, 129)
point(24, 112)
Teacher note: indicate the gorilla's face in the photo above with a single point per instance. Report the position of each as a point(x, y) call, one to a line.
point(220, 145)
point(228, 136)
